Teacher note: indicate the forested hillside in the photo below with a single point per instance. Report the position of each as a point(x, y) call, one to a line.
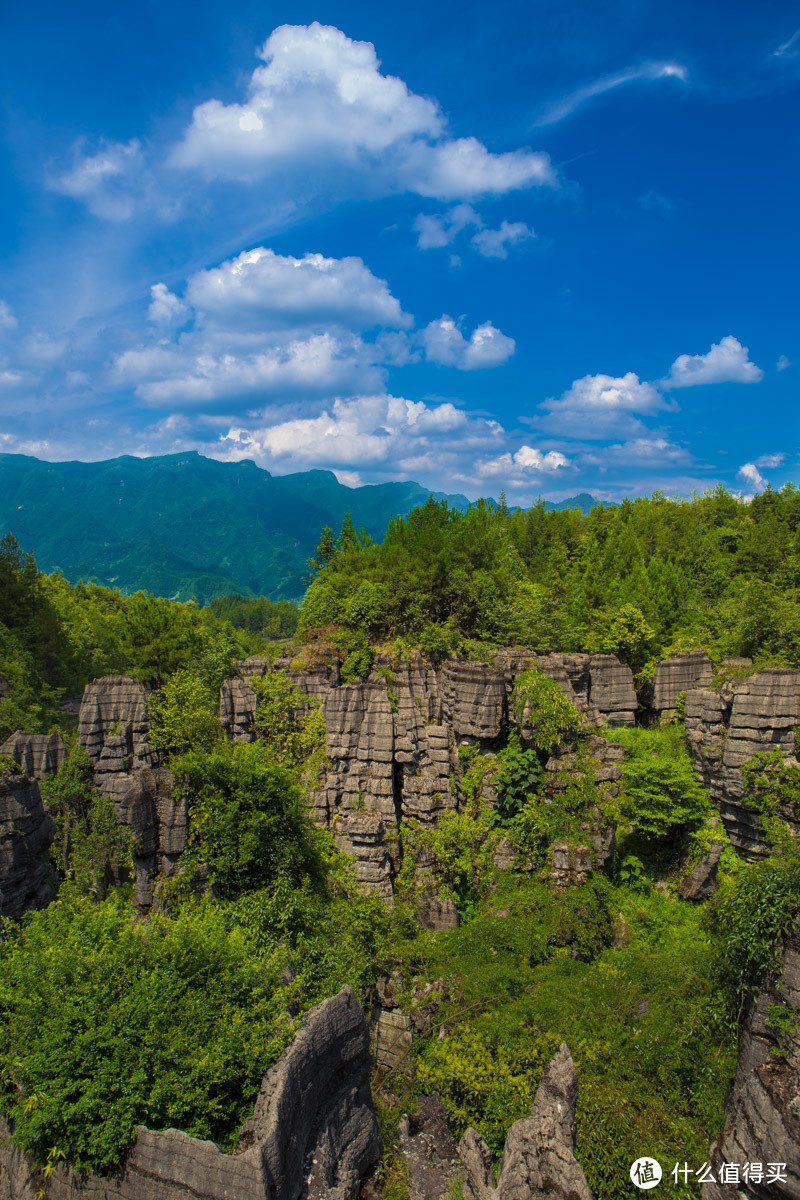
point(648, 576)
point(397, 794)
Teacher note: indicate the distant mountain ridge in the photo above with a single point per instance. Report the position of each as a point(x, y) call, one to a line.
point(186, 526)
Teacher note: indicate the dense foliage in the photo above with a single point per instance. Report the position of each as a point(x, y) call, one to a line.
point(634, 580)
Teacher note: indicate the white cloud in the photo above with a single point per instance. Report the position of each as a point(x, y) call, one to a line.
point(726, 362)
point(647, 72)
point(165, 307)
point(382, 433)
point(261, 287)
point(261, 326)
point(108, 182)
point(494, 243)
point(601, 406)
point(654, 201)
point(750, 473)
point(445, 344)
point(513, 467)
point(770, 461)
point(320, 102)
point(8, 321)
point(643, 451)
point(790, 48)
point(782, 363)
point(434, 232)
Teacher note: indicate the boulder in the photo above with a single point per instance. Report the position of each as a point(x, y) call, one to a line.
point(313, 1133)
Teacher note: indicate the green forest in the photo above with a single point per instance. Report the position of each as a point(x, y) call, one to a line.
point(171, 1019)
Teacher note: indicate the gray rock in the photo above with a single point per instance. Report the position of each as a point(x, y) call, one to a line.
point(726, 728)
point(26, 834)
point(538, 1161)
point(699, 883)
point(673, 675)
point(429, 1150)
point(159, 825)
point(313, 1133)
point(762, 1110)
point(37, 754)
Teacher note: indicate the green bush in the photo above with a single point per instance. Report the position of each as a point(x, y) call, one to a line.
point(551, 715)
point(660, 796)
point(107, 1022)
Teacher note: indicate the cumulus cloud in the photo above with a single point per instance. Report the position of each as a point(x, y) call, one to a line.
point(445, 344)
point(726, 362)
point(261, 287)
point(494, 243)
point(648, 72)
point(516, 469)
point(599, 406)
point(382, 433)
point(263, 325)
point(782, 363)
point(321, 101)
point(770, 461)
point(644, 451)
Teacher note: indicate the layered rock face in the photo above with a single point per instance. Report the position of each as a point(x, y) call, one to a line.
point(113, 728)
point(313, 1133)
point(675, 674)
point(762, 1112)
point(392, 740)
point(538, 1161)
point(26, 832)
point(726, 728)
point(36, 754)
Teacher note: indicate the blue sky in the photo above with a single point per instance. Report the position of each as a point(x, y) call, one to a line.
point(549, 247)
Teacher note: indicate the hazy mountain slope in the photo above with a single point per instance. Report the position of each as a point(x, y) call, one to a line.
point(183, 525)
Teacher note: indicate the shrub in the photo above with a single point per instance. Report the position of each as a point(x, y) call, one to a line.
point(108, 1023)
point(550, 714)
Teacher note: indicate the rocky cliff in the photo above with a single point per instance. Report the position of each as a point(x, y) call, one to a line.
point(762, 1112)
point(37, 754)
point(26, 832)
point(726, 726)
point(392, 740)
point(313, 1133)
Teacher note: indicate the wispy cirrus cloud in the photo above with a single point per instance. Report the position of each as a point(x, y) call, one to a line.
point(559, 110)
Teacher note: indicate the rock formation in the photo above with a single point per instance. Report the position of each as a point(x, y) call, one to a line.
point(762, 1111)
point(159, 824)
point(538, 1161)
point(675, 674)
point(313, 1133)
point(36, 754)
point(392, 740)
point(113, 728)
point(726, 727)
point(26, 832)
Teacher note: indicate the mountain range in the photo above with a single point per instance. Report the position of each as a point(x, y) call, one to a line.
point(186, 526)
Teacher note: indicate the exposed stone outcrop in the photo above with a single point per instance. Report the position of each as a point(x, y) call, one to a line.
point(392, 740)
point(726, 728)
point(539, 1157)
point(698, 884)
point(762, 1111)
point(313, 1133)
point(37, 754)
point(26, 832)
point(113, 728)
point(429, 1151)
point(675, 674)
point(159, 824)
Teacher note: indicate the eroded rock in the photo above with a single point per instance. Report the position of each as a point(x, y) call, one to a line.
point(539, 1157)
point(762, 1110)
point(36, 754)
point(313, 1133)
point(26, 833)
